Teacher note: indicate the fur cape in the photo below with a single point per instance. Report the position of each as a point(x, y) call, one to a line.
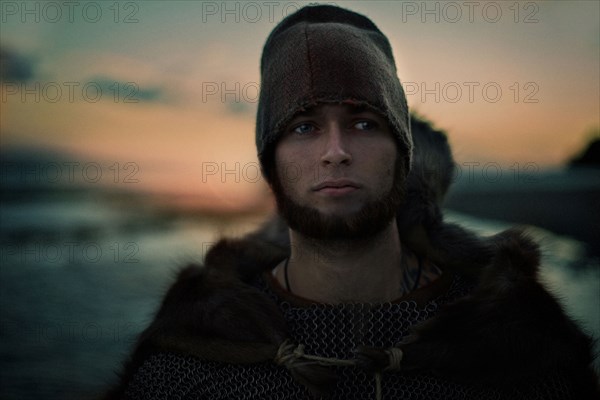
point(509, 329)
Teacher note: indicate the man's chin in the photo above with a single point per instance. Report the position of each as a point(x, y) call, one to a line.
point(349, 224)
point(339, 213)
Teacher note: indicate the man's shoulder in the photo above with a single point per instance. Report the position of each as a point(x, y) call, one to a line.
point(508, 329)
point(212, 313)
point(228, 272)
point(217, 301)
point(245, 257)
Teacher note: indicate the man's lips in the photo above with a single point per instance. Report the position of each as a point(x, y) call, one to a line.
point(336, 187)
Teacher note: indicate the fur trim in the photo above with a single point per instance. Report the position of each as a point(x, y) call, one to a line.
point(509, 330)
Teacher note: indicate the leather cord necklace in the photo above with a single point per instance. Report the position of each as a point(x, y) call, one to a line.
point(285, 272)
point(287, 279)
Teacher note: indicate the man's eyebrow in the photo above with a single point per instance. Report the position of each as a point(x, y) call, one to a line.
point(358, 109)
point(310, 112)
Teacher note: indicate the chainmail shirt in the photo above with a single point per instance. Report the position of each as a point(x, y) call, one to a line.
point(329, 331)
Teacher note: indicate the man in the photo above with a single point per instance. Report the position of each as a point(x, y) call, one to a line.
point(371, 295)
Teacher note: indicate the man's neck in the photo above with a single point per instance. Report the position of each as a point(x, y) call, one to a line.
point(335, 271)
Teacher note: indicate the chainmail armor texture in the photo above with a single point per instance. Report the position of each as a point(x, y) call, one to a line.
point(328, 331)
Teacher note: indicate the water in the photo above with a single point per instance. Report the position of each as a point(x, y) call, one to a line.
point(82, 274)
point(567, 271)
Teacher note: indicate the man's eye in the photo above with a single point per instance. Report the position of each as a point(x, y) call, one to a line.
point(303, 129)
point(365, 125)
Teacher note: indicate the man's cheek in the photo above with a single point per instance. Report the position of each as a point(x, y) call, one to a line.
point(290, 175)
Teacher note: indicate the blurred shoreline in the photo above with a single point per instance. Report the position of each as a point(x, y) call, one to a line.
point(565, 201)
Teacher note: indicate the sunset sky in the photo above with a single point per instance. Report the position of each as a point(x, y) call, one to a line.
point(509, 82)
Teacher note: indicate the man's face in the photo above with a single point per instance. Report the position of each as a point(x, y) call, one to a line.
point(336, 172)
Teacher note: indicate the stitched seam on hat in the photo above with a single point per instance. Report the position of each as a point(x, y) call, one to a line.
point(310, 68)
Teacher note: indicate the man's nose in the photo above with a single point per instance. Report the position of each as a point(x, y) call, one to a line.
point(336, 147)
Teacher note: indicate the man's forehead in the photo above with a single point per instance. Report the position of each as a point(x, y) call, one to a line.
point(321, 109)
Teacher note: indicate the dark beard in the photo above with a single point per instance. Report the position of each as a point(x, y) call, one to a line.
point(366, 223)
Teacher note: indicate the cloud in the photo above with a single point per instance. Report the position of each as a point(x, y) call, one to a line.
point(15, 67)
point(128, 92)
